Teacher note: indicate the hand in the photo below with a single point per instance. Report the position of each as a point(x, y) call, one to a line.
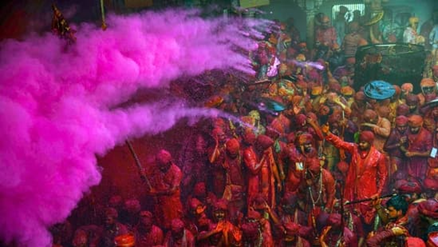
point(403, 139)
point(325, 129)
point(409, 154)
point(279, 187)
point(376, 202)
point(219, 227)
point(398, 231)
point(369, 125)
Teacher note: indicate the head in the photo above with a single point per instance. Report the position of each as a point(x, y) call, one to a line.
point(415, 123)
point(111, 216)
point(220, 210)
point(407, 88)
point(428, 86)
point(219, 134)
point(370, 116)
point(401, 124)
point(146, 220)
point(80, 238)
point(196, 207)
point(396, 207)
point(366, 139)
point(304, 143)
point(255, 115)
point(177, 229)
point(412, 101)
point(233, 148)
point(292, 230)
point(264, 142)
point(325, 21)
point(402, 110)
point(413, 22)
point(163, 160)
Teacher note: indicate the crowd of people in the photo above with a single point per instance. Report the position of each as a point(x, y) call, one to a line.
point(306, 160)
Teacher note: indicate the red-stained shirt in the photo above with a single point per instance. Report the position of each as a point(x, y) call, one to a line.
point(366, 175)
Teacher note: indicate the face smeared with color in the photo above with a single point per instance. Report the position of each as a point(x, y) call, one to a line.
point(364, 145)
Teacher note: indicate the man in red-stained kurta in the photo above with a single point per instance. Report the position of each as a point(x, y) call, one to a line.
point(165, 182)
point(419, 142)
point(367, 173)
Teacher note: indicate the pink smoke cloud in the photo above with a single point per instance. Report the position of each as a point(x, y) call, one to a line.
point(56, 105)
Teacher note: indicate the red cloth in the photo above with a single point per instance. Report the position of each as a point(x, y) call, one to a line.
point(415, 121)
point(367, 136)
point(366, 175)
point(401, 120)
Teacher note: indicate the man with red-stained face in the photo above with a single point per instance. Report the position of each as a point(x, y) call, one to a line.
point(178, 235)
point(165, 182)
point(393, 145)
point(146, 233)
point(419, 144)
point(367, 174)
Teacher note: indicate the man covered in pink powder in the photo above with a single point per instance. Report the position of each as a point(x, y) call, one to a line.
point(165, 181)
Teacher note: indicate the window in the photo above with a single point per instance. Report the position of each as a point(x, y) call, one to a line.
point(350, 10)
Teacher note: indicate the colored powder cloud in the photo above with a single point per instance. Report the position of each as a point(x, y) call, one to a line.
point(56, 104)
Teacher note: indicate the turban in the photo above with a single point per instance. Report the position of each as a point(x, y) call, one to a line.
point(369, 115)
point(427, 82)
point(163, 157)
point(289, 199)
point(132, 205)
point(233, 146)
point(412, 99)
point(334, 220)
point(221, 205)
point(146, 214)
point(252, 214)
point(199, 189)
point(111, 212)
point(290, 137)
point(366, 136)
point(429, 208)
point(397, 89)
point(304, 138)
point(264, 141)
point(291, 228)
point(401, 120)
point(312, 116)
point(347, 91)
point(177, 225)
point(335, 117)
point(407, 87)
point(402, 109)
point(277, 126)
point(359, 96)
point(406, 187)
point(430, 184)
point(317, 90)
point(415, 121)
point(301, 57)
point(249, 137)
point(334, 86)
point(115, 201)
point(300, 119)
point(302, 85)
point(194, 203)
